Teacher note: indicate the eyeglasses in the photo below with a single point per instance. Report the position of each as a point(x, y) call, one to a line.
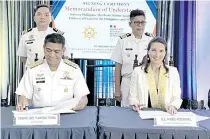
point(142, 23)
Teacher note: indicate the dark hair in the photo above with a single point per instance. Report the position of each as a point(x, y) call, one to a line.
point(136, 12)
point(54, 38)
point(146, 59)
point(40, 6)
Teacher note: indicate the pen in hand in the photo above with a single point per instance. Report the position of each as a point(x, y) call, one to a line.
point(29, 107)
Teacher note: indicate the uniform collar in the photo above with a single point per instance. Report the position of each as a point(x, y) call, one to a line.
point(46, 31)
point(46, 67)
point(144, 37)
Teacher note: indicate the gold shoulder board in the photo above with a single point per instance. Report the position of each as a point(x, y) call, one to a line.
point(72, 64)
point(35, 64)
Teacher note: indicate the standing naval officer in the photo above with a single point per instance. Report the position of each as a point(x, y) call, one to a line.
point(31, 43)
point(129, 46)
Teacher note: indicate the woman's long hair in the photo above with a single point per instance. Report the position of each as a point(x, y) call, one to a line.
point(146, 60)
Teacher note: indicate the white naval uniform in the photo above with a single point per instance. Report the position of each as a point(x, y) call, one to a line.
point(31, 42)
point(124, 53)
point(47, 88)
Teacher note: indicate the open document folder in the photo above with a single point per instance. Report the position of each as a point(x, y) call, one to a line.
point(63, 107)
point(151, 114)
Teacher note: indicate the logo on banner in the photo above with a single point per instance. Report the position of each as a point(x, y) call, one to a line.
point(89, 32)
point(116, 31)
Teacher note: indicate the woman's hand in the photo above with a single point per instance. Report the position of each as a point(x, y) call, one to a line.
point(136, 107)
point(171, 110)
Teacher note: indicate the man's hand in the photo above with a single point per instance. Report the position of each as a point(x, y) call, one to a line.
point(136, 107)
point(117, 96)
point(171, 110)
point(82, 103)
point(22, 103)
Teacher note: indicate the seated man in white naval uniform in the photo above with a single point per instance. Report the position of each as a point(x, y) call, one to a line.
point(53, 80)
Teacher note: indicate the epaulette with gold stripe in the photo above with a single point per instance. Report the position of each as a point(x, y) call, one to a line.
point(125, 36)
point(58, 31)
point(72, 64)
point(26, 31)
point(35, 64)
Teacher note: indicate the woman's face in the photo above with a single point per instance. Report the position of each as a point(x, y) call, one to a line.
point(157, 53)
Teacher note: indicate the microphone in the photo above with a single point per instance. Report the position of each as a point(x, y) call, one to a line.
point(36, 57)
point(171, 61)
point(72, 59)
point(71, 55)
point(135, 62)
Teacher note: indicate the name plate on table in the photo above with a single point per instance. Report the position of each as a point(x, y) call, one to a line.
point(176, 120)
point(36, 119)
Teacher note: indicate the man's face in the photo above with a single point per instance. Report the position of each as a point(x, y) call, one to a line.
point(53, 53)
point(138, 24)
point(42, 17)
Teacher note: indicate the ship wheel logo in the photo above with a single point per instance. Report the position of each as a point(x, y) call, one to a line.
point(89, 32)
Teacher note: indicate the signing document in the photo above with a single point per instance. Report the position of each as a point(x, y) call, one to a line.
point(44, 116)
point(63, 107)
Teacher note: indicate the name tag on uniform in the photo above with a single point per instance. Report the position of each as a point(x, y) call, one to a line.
point(31, 39)
point(129, 49)
point(40, 81)
point(30, 42)
point(187, 120)
point(40, 78)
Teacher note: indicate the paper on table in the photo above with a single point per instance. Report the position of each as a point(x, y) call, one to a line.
point(63, 107)
point(150, 114)
point(201, 118)
point(67, 104)
point(153, 114)
point(65, 110)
